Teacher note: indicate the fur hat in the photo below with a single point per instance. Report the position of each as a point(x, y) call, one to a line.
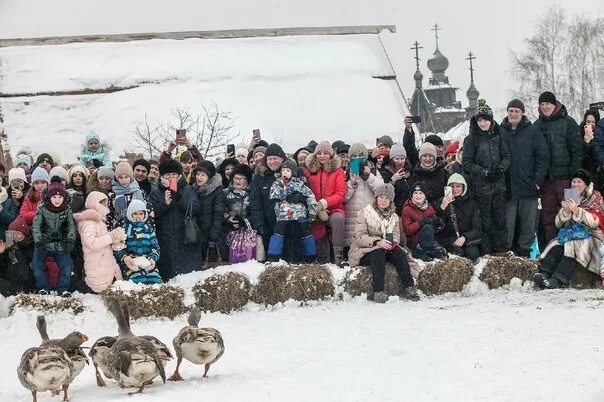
point(397, 150)
point(60, 172)
point(583, 175)
point(275, 150)
point(243, 170)
point(385, 140)
point(548, 97)
point(451, 149)
point(170, 166)
point(358, 149)
point(517, 103)
point(386, 190)
point(205, 166)
point(124, 168)
point(40, 174)
point(324, 146)
point(16, 173)
point(44, 157)
point(23, 158)
point(434, 140)
point(105, 171)
point(142, 162)
point(427, 149)
point(136, 205)
point(56, 188)
point(19, 225)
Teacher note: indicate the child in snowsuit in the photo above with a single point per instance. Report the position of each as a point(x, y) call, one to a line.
point(55, 236)
point(138, 260)
point(296, 205)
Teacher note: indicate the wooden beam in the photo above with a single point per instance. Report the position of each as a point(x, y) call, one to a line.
point(222, 34)
point(85, 91)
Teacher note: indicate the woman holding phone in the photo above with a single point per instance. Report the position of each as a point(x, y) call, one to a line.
point(577, 245)
point(398, 173)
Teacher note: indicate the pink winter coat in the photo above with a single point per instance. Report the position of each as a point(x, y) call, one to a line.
point(99, 264)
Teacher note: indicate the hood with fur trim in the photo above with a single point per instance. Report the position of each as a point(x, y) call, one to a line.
point(211, 186)
point(313, 165)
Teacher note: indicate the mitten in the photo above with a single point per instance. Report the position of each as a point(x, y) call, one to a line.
point(118, 235)
point(427, 221)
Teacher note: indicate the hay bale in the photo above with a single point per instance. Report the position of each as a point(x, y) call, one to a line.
point(500, 270)
point(151, 301)
point(47, 304)
point(449, 275)
point(585, 279)
point(358, 280)
point(309, 282)
point(224, 293)
point(271, 286)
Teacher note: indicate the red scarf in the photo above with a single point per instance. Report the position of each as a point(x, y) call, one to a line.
point(594, 205)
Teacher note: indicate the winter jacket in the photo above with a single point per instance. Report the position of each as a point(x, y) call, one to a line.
point(78, 200)
point(15, 268)
point(29, 208)
point(303, 208)
point(175, 257)
point(370, 228)
point(410, 147)
point(590, 215)
point(402, 187)
point(412, 221)
point(100, 266)
point(55, 231)
point(482, 152)
point(141, 241)
point(358, 196)
point(262, 207)
point(435, 180)
point(529, 158)
point(327, 183)
point(7, 215)
point(100, 155)
point(236, 203)
point(598, 143)
point(211, 209)
point(467, 216)
point(120, 198)
point(561, 134)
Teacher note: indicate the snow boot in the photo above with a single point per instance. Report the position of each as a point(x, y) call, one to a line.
point(543, 282)
point(410, 293)
point(380, 297)
point(275, 245)
point(338, 255)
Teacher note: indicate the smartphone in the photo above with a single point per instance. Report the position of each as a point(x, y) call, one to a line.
point(15, 185)
point(181, 135)
point(173, 185)
point(256, 134)
point(9, 239)
point(416, 119)
point(356, 164)
point(231, 150)
point(389, 237)
point(377, 141)
point(572, 194)
point(448, 191)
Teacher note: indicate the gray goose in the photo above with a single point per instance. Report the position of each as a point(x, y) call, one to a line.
point(45, 368)
point(132, 360)
point(197, 345)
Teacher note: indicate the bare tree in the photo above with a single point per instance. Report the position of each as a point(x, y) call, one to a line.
point(210, 131)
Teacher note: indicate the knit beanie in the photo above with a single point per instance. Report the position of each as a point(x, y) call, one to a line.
point(136, 205)
point(56, 188)
point(23, 158)
point(105, 171)
point(427, 149)
point(397, 150)
point(59, 171)
point(517, 103)
point(276, 150)
point(385, 140)
point(324, 146)
point(143, 163)
point(583, 175)
point(170, 166)
point(451, 149)
point(44, 157)
point(92, 136)
point(40, 174)
point(205, 166)
point(548, 97)
point(241, 152)
point(259, 149)
point(243, 170)
point(291, 165)
point(434, 140)
point(358, 149)
point(124, 168)
point(419, 186)
point(78, 169)
point(483, 110)
point(16, 173)
point(19, 225)
point(386, 190)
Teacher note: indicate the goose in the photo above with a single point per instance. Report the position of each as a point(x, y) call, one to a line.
point(45, 368)
point(197, 345)
point(132, 360)
point(99, 352)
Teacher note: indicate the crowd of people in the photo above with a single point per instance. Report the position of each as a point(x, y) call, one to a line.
point(82, 227)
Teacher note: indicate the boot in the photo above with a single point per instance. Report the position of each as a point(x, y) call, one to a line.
point(380, 297)
point(338, 255)
point(544, 282)
point(410, 293)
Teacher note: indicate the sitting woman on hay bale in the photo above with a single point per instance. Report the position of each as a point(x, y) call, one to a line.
point(376, 240)
point(459, 211)
point(579, 237)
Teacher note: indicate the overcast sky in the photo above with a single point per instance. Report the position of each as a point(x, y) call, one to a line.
point(487, 28)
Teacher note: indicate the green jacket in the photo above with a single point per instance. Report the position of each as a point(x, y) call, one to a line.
point(55, 231)
point(565, 145)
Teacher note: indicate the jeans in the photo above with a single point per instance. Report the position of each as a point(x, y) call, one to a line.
point(64, 262)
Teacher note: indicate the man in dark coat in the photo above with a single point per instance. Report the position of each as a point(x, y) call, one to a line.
point(170, 208)
point(561, 134)
point(141, 170)
point(486, 159)
point(527, 172)
point(409, 142)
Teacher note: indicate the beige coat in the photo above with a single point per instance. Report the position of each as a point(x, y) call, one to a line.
point(370, 228)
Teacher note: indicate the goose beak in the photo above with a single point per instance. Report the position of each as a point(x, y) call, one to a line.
point(84, 337)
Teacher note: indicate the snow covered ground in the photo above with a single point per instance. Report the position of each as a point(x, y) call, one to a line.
point(504, 345)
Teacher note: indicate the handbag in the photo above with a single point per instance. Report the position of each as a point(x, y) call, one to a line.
point(191, 228)
point(572, 231)
point(242, 244)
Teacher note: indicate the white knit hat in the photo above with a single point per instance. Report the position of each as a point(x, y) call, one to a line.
point(40, 175)
point(16, 173)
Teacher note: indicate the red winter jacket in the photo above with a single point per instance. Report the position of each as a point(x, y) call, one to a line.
point(327, 183)
point(412, 218)
point(29, 208)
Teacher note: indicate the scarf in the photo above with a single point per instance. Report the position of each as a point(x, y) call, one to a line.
point(428, 167)
point(385, 219)
point(423, 206)
point(121, 201)
point(593, 204)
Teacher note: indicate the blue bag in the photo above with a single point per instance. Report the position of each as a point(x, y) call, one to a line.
point(573, 231)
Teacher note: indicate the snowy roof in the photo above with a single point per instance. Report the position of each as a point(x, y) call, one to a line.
point(439, 86)
point(457, 133)
point(294, 88)
point(441, 109)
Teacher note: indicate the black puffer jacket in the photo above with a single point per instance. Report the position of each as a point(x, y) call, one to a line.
point(261, 205)
point(211, 209)
point(467, 216)
point(561, 134)
point(434, 179)
point(530, 158)
point(485, 151)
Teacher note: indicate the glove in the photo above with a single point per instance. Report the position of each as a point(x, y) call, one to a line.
point(490, 174)
point(500, 172)
point(438, 222)
point(118, 235)
point(261, 231)
point(68, 245)
point(427, 221)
